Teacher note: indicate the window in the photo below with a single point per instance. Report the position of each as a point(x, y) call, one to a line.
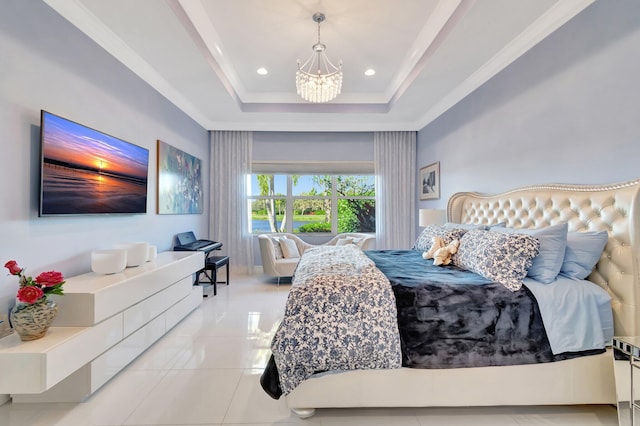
point(311, 203)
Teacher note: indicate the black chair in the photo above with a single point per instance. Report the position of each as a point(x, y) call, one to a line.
point(210, 270)
point(186, 241)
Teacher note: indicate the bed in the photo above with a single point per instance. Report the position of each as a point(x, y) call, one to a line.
point(581, 380)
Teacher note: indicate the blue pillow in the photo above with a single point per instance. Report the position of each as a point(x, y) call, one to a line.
point(553, 242)
point(583, 252)
point(467, 226)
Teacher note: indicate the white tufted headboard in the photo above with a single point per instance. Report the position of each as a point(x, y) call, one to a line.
point(613, 208)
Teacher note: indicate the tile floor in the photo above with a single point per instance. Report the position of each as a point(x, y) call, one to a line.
point(206, 370)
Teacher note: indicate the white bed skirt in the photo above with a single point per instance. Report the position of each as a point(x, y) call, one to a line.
point(584, 380)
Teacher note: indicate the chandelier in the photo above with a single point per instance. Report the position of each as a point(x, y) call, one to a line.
point(318, 80)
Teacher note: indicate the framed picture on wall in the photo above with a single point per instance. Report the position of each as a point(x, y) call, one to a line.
point(429, 183)
point(179, 181)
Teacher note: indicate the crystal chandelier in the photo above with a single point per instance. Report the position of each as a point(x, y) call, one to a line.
point(318, 80)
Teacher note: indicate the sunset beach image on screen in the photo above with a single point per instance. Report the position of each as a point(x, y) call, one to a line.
point(84, 171)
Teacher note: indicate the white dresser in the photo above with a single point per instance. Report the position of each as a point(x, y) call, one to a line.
point(103, 323)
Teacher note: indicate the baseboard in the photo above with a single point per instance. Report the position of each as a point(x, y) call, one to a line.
point(4, 399)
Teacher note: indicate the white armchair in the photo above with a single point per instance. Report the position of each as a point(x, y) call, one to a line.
point(273, 261)
point(364, 241)
point(276, 264)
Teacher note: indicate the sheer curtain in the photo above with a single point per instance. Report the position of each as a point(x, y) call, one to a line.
point(229, 220)
point(395, 164)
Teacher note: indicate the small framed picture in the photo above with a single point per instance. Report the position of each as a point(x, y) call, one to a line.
point(430, 182)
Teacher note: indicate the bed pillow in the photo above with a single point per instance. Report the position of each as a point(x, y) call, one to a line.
point(503, 258)
point(425, 240)
point(553, 241)
point(466, 226)
point(583, 252)
point(289, 248)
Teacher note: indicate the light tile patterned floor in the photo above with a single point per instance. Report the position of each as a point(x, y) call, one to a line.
point(206, 370)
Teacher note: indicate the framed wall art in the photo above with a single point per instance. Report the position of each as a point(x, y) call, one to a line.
point(429, 182)
point(179, 181)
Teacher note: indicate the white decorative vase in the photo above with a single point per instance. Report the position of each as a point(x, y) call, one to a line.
point(136, 253)
point(152, 253)
point(109, 261)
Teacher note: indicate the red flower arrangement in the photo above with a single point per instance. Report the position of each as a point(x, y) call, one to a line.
point(32, 291)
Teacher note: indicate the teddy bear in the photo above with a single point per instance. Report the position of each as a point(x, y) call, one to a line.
point(441, 253)
point(436, 244)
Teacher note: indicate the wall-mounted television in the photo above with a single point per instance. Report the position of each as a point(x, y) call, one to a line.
point(87, 172)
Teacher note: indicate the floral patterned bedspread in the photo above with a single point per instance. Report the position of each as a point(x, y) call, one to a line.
point(340, 315)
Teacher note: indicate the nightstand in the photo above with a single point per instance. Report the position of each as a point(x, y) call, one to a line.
point(626, 367)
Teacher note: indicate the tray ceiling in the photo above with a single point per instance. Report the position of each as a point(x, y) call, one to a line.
point(203, 55)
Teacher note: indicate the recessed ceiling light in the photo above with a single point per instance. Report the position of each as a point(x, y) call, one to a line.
point(262, 71)
point(370, 72)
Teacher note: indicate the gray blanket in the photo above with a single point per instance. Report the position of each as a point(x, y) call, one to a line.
point(451, 318)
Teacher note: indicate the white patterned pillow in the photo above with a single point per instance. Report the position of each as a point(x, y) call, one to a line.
point(289, 248)
point(553, 242)
point(503, 258)
point(425, 240)
point(277, 250)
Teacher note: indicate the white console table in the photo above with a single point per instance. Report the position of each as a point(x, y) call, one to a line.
point(103, 323)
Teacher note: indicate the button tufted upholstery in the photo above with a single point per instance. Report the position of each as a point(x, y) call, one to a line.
point(613, 208)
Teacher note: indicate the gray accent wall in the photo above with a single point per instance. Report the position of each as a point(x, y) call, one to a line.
point(565, 112)
point(46, 63)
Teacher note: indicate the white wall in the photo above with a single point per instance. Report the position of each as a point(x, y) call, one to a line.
point(567, 112)
point(46, 63)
